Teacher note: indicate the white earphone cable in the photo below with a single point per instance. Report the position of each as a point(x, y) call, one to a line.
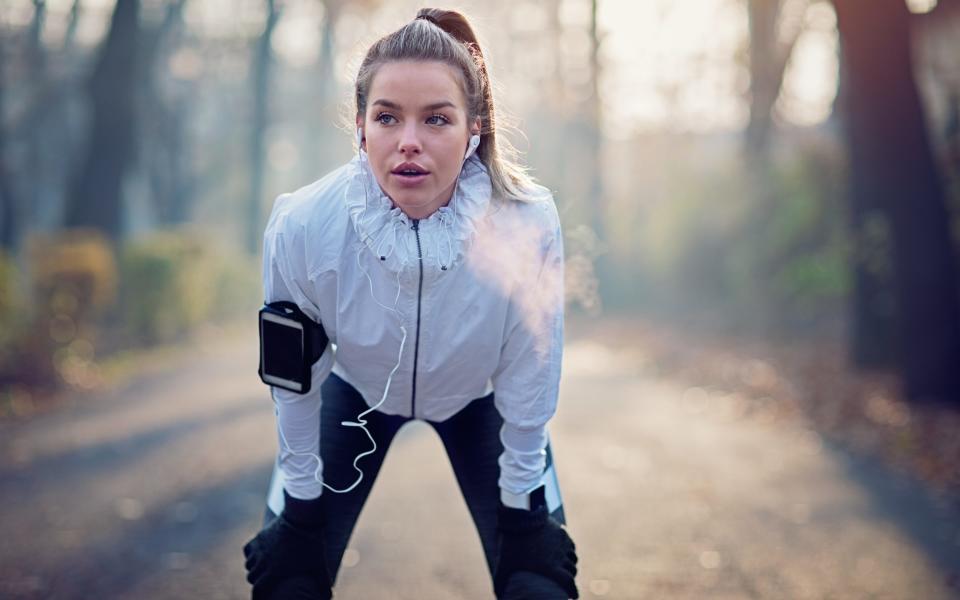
point(361, 422)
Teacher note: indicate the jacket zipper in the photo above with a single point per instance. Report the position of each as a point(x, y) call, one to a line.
point(416, 342)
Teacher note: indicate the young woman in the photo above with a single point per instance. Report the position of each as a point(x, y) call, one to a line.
point(434, 265)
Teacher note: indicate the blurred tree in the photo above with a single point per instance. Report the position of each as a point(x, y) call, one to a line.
point(770, 49)
point(332, 10)
point(95, 196)
point(872, 311)
point(35, 60)
point(594, 142)
point(937, 43)
point(323, 143)
point(321, 150)
point(261, 87)
point(37, 78)
point(8, 216)
point(317, 145)
point(604, 271)
point(40, 81)
point(164, 119)
point(891, 161)
point(773, 29)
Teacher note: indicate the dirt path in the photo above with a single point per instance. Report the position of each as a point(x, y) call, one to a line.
point(150, 490)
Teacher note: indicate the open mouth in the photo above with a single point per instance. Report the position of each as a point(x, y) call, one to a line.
point(410, 171)
point(409, 174)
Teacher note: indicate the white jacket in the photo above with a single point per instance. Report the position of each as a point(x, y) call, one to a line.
point(483, 309)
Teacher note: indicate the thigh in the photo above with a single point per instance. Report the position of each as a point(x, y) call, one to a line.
point(339, 446)
point(472, 441)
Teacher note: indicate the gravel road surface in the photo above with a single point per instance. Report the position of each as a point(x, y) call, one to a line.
point(149, 490)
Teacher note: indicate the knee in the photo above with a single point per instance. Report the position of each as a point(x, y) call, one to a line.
point(524, 585)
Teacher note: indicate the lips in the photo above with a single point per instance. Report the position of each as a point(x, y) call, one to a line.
point(409, 174)
point(409, 169)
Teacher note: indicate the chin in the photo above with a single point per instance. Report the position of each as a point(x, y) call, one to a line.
point(406, 200)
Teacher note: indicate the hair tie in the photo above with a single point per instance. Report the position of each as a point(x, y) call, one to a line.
point(428, 18)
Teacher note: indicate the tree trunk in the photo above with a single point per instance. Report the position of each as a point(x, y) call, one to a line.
point(8, 213)
point(319, 152)
point(166, 151)
point(764, 83)
point(893, 165)
point(768, 61)
point(594, 144)
point(258, 124)
point(95, 198)
point(872, 337)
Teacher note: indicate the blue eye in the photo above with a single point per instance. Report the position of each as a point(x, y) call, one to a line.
point(443, 118)
point(380, 118)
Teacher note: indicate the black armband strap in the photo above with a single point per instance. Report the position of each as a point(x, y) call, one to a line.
point(290, 343)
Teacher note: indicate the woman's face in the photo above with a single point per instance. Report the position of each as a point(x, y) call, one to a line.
point(416, 133)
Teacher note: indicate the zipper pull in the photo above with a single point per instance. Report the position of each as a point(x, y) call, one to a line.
point(416, 225)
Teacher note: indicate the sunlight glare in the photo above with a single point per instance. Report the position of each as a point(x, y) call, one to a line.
point(671, 65)
point(679, 66)
point(921, 6)
point(297, 37)
point(810, 81)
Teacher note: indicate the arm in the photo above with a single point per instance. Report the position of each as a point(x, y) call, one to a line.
point(287, 557)
point(526, 386)
point(298, 415)
point(527, 380)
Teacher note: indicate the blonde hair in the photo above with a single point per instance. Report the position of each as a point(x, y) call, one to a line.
point(446, 36)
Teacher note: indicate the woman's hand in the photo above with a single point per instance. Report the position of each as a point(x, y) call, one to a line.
point(287, 558)
point(531, 540)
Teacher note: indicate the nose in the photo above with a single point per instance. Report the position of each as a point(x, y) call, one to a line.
point(409, 140)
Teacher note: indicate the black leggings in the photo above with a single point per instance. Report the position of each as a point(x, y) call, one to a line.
point(472, 441)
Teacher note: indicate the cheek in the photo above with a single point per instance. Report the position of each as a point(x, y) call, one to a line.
point(453, 155)
point(448, 164)
point(378, 153)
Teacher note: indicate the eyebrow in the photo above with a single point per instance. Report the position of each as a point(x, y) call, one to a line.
point(395, 106)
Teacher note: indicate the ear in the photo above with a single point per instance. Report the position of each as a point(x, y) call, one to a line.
point(475, 127)
point(361, 139)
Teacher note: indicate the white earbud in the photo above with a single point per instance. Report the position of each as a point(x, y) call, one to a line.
point(359, 136)
point(472, 146)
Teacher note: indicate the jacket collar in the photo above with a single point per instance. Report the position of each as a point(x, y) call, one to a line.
point(445, 235)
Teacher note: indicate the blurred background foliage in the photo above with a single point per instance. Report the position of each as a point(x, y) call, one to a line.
point(701, 154)
point(174, 281)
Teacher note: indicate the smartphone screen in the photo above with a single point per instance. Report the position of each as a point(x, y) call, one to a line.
point(282, 351)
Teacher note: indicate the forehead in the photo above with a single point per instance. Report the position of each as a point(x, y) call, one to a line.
point(413, 84)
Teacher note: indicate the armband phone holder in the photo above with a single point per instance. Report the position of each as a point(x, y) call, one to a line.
point(290, 343)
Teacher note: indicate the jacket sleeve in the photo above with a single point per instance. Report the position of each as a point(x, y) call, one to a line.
point(298, 415)
point(527, 380)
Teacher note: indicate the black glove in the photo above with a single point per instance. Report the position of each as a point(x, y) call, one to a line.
point(287, 558)
point(532, 540)
point(298, 588)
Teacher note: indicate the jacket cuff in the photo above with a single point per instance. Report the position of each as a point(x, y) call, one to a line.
point(308, 514)
point(526, 501)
